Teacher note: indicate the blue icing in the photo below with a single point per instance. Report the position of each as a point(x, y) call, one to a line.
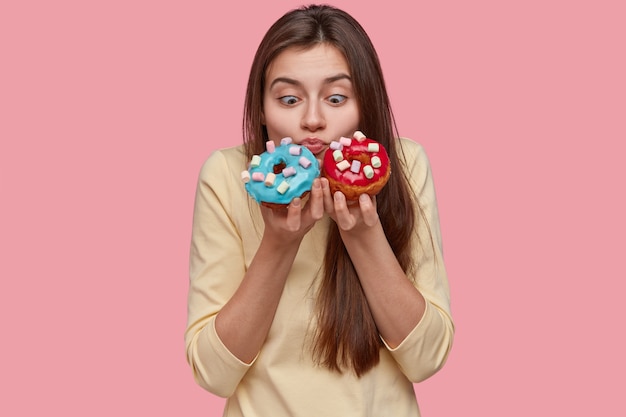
point(298, 183)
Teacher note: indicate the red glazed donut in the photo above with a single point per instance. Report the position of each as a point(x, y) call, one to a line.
point(356, 166)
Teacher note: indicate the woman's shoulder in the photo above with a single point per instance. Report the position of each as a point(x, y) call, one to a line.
point(412, 152)
point(234, 154)
point(404, 140)
point(223, 160)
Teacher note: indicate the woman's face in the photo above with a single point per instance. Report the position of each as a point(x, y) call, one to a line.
point(309, 97)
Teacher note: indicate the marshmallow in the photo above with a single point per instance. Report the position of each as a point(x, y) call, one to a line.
point(343, 165)
point(304, 162)
point(368, 171)
point(258, 176)
point(286, 140)
point(358, 135)
point(269, 179)
point(282, 188)
point(270, 146)
point(337, 155)
point(295, 150)
point(376, 162)
point(256, 161)
point(356, 166)
point(345, 141)
point(373, 147)
point(289, 171)
point(334, 145)
point(245, 176)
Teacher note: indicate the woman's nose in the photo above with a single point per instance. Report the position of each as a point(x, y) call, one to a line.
point(313, 118)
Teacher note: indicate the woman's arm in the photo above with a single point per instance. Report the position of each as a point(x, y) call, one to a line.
point(246, 318)
point(411, 313)
point(230, 305)
point(396, 304)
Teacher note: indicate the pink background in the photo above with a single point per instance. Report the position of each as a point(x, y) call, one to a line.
point(108, 109)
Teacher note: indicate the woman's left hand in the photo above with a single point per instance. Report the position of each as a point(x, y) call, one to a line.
point(350, 215)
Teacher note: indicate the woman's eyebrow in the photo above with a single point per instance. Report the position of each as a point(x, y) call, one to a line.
point(284, 80)
point(328, 80)
point(337, 77)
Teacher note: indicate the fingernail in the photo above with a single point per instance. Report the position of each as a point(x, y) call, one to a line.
point(363, 198)
point(296, 202)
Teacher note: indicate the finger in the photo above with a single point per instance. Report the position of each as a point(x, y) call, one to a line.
point(344, 220)
point(294, 212)
point(316, 202)
point(368, 209)
point(329, 204)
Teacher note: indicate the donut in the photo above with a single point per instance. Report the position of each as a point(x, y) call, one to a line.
point(280, 174)
point(355, 166)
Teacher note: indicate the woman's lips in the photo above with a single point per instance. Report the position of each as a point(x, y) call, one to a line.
point(316, 146)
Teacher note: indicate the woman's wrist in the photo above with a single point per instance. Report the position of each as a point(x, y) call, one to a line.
point(280, 242)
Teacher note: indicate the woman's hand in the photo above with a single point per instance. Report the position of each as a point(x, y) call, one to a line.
point(350, 215)
point(290, 224)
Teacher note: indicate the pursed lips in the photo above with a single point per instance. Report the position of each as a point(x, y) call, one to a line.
point(315, 145)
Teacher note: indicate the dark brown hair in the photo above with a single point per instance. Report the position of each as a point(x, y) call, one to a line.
point(346, 335)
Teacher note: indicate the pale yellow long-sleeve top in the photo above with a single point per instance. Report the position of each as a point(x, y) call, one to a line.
point(283, 380)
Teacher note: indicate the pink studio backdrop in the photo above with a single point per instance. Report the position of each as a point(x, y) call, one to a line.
point(108, 109)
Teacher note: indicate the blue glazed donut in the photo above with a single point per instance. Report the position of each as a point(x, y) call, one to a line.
point(280, 174)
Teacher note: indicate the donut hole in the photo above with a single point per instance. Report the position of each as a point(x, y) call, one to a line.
point(278, 168)
point(363, 158)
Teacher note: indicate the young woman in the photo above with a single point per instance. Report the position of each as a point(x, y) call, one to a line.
point(325, 308)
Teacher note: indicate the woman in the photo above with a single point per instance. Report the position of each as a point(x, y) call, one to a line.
point(325, 308)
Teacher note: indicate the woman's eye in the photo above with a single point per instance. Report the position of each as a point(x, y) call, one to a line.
point(337, 98)
point(289, 99)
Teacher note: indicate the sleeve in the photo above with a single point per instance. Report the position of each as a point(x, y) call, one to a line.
point(216, 267)
point(425, 350)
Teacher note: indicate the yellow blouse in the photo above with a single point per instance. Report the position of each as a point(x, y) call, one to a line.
point(283, 380)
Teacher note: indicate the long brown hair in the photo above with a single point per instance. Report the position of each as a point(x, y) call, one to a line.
point(346, 335)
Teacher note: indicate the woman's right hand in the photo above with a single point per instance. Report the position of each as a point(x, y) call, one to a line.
point(289, 225)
